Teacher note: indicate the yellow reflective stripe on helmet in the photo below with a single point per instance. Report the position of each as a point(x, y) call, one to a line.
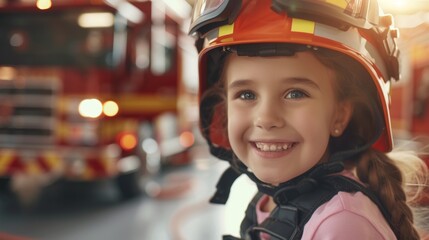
point(226, 30)
point(340, 3)
point(301, 25)
point(6, 158)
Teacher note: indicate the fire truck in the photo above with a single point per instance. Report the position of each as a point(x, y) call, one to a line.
point(89, 90)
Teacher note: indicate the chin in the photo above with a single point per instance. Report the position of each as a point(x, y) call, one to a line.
point(269, 179)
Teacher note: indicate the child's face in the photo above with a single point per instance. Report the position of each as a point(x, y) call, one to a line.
point(281, 113)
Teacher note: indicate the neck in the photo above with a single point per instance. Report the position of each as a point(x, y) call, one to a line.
point(269, 205)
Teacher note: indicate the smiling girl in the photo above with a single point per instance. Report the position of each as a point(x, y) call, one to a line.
point(295, 95)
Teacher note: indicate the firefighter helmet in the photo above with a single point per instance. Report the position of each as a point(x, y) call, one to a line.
point(356, 28)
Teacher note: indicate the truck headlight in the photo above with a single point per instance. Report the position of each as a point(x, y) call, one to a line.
point(91, 108)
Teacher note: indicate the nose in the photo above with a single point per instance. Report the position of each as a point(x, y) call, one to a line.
point(269, 116)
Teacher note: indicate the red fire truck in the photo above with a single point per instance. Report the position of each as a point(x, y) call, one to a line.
point(89, 90)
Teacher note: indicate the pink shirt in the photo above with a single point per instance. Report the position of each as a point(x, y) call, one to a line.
point(351, 216)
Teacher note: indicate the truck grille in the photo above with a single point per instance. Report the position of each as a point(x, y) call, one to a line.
point(27, 112)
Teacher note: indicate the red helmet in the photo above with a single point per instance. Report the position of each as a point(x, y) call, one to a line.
point(356, 28)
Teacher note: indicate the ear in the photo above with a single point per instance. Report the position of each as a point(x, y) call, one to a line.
point(341, 118)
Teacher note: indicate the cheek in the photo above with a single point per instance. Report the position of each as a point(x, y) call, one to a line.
point(314, 130)
point(314, 124)
point(236, 126)
point(233, 124)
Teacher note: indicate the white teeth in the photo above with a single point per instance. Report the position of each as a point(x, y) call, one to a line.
point(266, 147)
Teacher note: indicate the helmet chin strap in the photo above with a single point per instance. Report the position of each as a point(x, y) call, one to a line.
point(300, 184)
point(289, 189)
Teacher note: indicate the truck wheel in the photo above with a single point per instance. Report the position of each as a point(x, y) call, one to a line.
point(129, 184)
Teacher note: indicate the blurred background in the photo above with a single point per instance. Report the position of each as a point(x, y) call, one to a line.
point(99, 133)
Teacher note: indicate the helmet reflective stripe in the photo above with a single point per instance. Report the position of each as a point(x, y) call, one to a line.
point(340, 3)
point(302, 26)
point(226, 30)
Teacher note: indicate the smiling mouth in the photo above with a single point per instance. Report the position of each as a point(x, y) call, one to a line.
point(273, 147)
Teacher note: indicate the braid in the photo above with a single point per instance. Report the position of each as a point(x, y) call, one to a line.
point(384, 178)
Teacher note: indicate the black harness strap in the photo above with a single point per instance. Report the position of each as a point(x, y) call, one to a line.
point(224, 184)
point(250, 215)
point(287, 220)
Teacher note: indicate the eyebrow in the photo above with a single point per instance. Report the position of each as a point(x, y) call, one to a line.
point(292, 80)
point(303, 80)
point(240, 83)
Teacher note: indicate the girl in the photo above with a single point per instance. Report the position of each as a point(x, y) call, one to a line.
point(294, 94)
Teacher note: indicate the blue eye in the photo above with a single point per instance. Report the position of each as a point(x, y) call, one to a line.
point(295, 94)
point(247, 95)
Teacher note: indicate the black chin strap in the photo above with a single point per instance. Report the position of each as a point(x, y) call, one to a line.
point(290, 188)
point(224, 184)
point(301, 183)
